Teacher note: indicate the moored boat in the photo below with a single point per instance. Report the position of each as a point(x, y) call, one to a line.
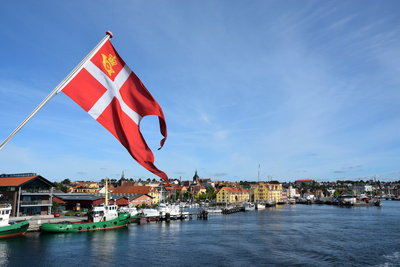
point(133, 212)
point(270, 204)
point(12, 229)
point(248, 206)
point(151, 214)
point(260, 206)
point(99, 218)
point(213, 210)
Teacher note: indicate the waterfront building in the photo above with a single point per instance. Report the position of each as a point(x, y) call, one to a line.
point(362, 188)
point(148, 190)
point(28, 193)
point(274, 192)
point(85, 202)
point(141, 199)
point(269, 192)
point(232, 195)
point(83, 187)
point(292, 192)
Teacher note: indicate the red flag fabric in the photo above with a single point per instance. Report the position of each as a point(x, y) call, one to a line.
point(114, 96)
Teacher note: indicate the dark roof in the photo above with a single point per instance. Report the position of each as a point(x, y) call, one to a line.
point(88, 197)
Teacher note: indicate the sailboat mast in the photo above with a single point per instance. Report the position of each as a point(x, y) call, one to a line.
point(106, 195)
point(258, 193)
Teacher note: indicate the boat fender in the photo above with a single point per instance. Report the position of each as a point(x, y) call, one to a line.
point(115, 223)
point(104, 226)
point(88, 228)
point(94, 226)
point(80, 228)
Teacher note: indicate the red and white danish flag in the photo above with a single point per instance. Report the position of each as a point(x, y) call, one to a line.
point(114, 96)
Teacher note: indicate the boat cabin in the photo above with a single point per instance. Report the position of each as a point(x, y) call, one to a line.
point(5, 211)
point(103, 213)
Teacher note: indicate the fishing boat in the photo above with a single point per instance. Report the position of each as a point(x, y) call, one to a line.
point(10, 229)
point(101, 217)
point(248, 206)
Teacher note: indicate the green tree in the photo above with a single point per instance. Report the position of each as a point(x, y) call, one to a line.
point(55, 206)
point(61, 187)
point(66, 181)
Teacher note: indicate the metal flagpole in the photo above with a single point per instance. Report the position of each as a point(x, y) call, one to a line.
point(59, 87)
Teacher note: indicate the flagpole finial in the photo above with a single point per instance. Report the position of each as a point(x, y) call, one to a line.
point(109, 33)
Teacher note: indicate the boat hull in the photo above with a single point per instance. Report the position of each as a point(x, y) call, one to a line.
point(14, 230)
point(134, 218)
point(67, 227)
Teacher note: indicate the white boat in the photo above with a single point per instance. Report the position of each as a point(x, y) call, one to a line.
point(213, 210)
point(173, 210)
point(150, 213)
point(260, 206)
point(248, 206)
point(10, 229)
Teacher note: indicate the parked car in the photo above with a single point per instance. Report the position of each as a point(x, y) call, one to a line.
point(56, 214)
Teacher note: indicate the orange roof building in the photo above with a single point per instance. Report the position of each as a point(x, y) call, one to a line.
point(28, 193)
point(148, 190)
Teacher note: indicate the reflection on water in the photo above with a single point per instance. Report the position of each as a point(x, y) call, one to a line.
point(4, 253)
point(304, 235)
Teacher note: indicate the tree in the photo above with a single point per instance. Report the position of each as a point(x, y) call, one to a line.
point(61, 187)
point(55, 205)
point(66, 181)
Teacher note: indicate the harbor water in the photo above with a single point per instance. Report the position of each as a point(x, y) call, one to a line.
point(291, 235)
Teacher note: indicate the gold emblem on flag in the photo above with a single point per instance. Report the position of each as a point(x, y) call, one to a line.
point(108, 63)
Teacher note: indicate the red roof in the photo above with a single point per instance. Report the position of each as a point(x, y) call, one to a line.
point(16, 181)
point(132, 189)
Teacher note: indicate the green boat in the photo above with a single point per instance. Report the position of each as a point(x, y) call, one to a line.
point(100, 218)
point(12, 229)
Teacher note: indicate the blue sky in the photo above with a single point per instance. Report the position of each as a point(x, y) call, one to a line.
point(306, 89)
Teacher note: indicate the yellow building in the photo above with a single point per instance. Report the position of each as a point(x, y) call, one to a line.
point(268, 192)
point(88, 190)
point(155, 195)
point(232, 195)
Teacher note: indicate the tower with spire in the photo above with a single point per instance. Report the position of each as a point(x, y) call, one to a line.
point(196, 178)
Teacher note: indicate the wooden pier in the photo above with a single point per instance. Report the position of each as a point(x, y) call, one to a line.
point(201, 215)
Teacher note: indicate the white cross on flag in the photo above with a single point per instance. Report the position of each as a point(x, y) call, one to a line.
point(114, 96)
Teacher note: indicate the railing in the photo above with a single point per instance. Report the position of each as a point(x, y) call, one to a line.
point(37, 202)
point(35, 191)
point(4, 205)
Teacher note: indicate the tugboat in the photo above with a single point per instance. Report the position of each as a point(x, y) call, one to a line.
point(102, 217)
point(12, 229)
